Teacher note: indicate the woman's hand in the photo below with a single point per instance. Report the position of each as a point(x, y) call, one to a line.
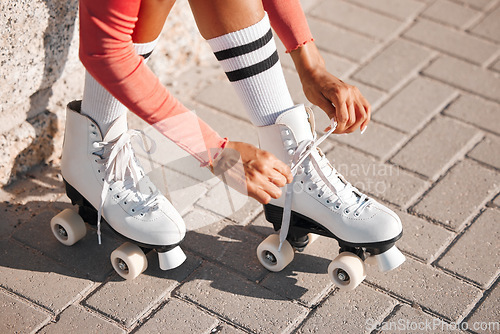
point(339, 100)
point(252, 171)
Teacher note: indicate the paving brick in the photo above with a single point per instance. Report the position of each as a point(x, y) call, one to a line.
point(349, 312)
point(261, 226)
point(427, 287)
point(38, 278)
point(77, 320)
point(378, 140)
point(496, 65)
point(230, 104)
point(451, 41)
point(384, 181)
point(422, 239)
point(488, 311)
point(85, 257)
point(488, 151)
point(306, 279)
point(497, 201)
point(479, 4)
point(127, 301)
point(394, 65)
point(486, 114)
point(227, 329)
point(478, 264)
point(356, 18)
point(295, 87)
point(18, 317)
point(490, 26)
point(437, 147)
point(407, 113)
point(13, 216)
point(401, 9)
point(407, 319)
point(241, 302)
point(459, 195)
point(179, 317)
point(198, 218)
point(229, 245)
point(451, 13)
point(347, 44)
point(466, 76)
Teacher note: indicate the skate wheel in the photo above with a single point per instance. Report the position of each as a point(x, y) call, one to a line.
point(270, 257)
point(129, 261)
point(347, 271)
point(68, 227)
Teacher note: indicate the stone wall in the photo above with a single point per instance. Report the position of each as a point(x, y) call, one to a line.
point(40, 73)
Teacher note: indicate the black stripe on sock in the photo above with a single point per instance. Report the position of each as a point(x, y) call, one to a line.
point(146, 56)
point(252, 70)
point(243, 49)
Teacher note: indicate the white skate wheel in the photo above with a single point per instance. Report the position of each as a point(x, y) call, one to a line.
point(270, 257)
point(347, 271)
point(68, 227)
point(129, 261)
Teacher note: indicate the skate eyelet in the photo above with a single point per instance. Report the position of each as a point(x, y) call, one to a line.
point(133, 210)
point(336, 207)
point(327, 202)
point(346, 211)
point(356, 214)
point(319, 195)
point(125, 202)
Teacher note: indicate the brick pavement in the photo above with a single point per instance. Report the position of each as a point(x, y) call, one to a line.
point(431, 69)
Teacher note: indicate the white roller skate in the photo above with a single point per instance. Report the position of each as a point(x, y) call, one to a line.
point(321, 201)
point(104, 178)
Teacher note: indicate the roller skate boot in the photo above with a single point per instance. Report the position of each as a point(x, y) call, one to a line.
point(103, 177)
point(320, 201)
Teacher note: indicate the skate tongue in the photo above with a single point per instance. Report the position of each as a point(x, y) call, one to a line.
point(299, 121)
point(116, 129)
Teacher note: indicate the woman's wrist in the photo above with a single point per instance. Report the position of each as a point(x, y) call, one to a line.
point(307, 59)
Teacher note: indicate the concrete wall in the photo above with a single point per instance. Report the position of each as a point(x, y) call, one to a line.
point(40, 73)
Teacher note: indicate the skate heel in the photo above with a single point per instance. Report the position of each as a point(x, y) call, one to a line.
point(390, 259)
point(85, 209)
point(171, 259)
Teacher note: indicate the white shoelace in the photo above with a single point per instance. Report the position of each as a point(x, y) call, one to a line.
point(117, 158)
point(347, 193)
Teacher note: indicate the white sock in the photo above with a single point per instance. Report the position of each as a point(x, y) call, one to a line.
point(250, 60)
point(99, 104)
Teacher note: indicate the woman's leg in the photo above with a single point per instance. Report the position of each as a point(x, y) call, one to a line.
point(240, 35)
point(97, 102)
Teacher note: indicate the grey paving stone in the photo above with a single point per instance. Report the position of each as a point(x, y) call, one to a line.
point(496, 65)
point(227, 329)
point(127, 301)
point(497, 201)
point(306, 278)
point(422, 239)
point(198, 218)
point(401, 9)
point(427, 287)
point(488, 151)
point(241, 302)
point(478, 264)
point(229, 245)
point(460, 194)
point(378, 140)
point(229, 104)
point(75, 319)
point(349, 312)
point(437, 147)
point(19, 317)
point(451, 13)
point(38, 278)
point(477, 111)
point(488, 312)
point(347, 44)
point(411, 320)
point(490, 26)
point(451, 41)
point(479, 4)
point(384, 181)
point(14, 215)
point(466, 76)
point(407, 113)
point(356, 18)
point(261, 226)
point(394, 65)
point(295, 87)
point(86, 257)
point(179, 317)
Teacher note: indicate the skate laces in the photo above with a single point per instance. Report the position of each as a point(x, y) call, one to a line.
point(121, 165)
point(323, 176)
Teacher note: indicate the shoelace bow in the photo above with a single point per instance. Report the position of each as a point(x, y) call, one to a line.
point(118, 158)
point(304, 150)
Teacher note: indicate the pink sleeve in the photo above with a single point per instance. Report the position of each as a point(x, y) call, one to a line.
point(289, 21)
point(107, 52)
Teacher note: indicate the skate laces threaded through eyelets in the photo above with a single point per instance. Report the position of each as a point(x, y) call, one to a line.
point(324, 177)
point(122, 167)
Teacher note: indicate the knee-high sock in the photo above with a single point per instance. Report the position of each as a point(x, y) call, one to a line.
point(99, 104)
point(250, 60)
